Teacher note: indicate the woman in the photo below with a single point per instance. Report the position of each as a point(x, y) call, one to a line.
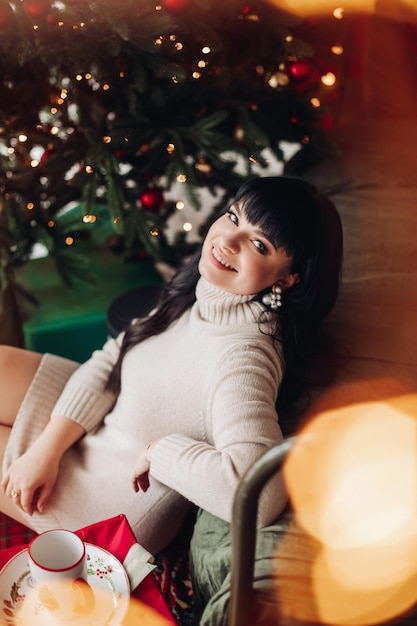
point(181, 404)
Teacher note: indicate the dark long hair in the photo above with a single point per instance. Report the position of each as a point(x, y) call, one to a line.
point(293, 215)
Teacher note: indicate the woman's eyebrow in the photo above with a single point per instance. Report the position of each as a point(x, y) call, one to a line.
point(236, 207)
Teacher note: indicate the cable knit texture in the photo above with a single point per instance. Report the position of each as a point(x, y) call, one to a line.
point(205, 388)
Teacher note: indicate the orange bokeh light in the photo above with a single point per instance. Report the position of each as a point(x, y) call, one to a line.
point(304, 8)
point(341, 605)
point(352, 479)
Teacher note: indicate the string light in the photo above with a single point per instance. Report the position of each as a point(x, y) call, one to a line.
point(328, 79)
point(89, 219)
point(280, 80)
point(69, 241)
point(252, 16)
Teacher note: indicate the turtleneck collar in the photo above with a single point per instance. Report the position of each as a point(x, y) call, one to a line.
point(222, 307)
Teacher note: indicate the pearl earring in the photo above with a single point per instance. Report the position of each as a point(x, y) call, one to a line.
point(273, 298)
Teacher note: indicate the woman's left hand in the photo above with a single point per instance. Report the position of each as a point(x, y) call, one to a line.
point(141, 470)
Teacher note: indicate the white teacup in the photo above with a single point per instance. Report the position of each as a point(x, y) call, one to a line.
point(58, 567)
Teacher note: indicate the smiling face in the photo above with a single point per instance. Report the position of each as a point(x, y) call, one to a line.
point(238, 257)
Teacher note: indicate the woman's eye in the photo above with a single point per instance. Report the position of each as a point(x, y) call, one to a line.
point(260, 246)
point(233, 217)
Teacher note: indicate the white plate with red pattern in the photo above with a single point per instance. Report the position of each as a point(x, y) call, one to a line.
point(20, 604)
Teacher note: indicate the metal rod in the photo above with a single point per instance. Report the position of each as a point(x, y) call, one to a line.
point(243, 530)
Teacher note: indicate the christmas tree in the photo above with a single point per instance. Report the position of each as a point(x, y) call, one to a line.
point(115, 104)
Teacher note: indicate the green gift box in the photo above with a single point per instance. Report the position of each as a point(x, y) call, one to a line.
point(71, 321)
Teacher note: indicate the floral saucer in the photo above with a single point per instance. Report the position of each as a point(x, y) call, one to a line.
point(20, 604)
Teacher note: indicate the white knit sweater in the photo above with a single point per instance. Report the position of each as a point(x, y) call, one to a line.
point(206, 388)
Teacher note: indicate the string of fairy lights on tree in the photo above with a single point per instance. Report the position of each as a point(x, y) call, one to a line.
point(119, 105)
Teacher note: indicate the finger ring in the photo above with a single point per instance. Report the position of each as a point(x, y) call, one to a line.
point(14, 494)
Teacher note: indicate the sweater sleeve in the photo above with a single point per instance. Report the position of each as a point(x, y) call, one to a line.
point(84, 398)
point(244, 424)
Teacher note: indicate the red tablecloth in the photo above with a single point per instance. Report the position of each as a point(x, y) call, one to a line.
point(116, 536)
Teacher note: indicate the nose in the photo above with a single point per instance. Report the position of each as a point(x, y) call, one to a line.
point(230, 243)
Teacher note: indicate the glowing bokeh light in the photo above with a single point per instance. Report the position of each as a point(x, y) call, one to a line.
point(137, 611)
point(352, 479)
point(339, 605)
point(312, 7)
point(392, 9)
point(361, 465)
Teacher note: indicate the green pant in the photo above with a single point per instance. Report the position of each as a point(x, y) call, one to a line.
point(210, 556)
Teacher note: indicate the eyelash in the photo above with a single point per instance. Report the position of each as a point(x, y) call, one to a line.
point(260, 247)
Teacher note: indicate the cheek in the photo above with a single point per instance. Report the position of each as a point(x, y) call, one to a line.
point(267, 276)
point(210, 234)
point(259, 277)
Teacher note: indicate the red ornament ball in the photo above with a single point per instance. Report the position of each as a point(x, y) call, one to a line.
point(38, 9)
point(43, 161)
point(46, 154)
point(6, 14)
point(176, 6)
point(299, 70)
point(52, 19)
point(151, 199)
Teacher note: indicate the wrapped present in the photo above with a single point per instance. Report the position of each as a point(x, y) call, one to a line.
point(70, 320)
